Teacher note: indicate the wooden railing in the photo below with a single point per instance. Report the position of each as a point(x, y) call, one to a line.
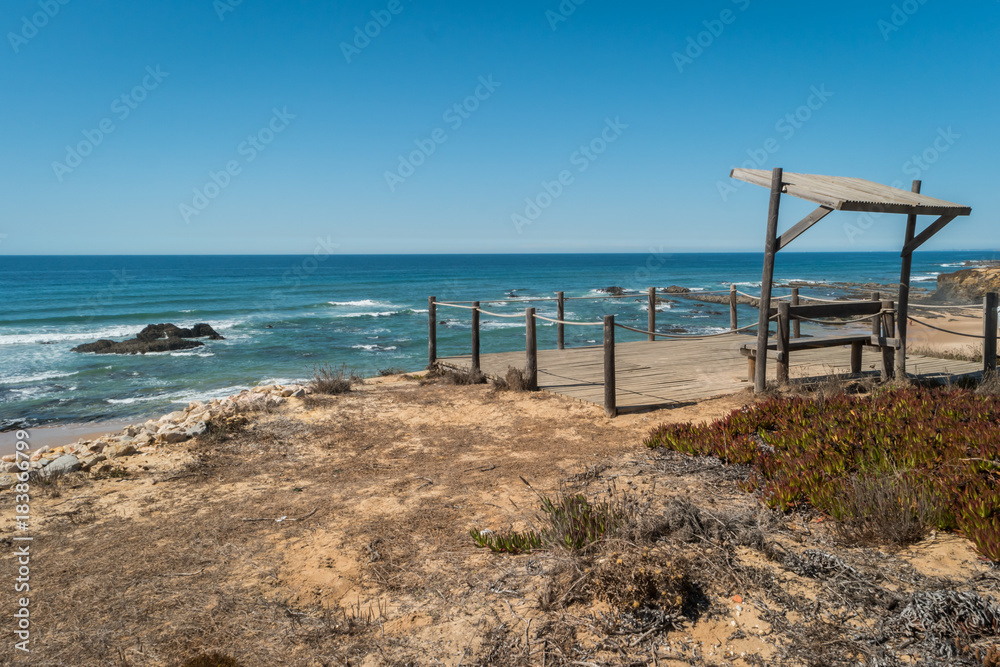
point(788, 313)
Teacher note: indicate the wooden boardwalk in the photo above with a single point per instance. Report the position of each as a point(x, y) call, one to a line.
point(669, 373)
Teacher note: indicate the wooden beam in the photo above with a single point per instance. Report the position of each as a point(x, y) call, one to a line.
point(803, 225)
point(770, 248)
point(990, 303)
point(475, 337)
point(610, 392)
point(560, 315)
point(432, 345)
point(846, 309)
point(530, 349)
point(783, 327)
point(925, 235)
point(903, 298)
point(651, 316)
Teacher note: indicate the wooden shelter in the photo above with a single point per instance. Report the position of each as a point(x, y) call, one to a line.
point(838, 193)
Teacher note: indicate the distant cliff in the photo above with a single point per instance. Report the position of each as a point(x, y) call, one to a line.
point(967, 285)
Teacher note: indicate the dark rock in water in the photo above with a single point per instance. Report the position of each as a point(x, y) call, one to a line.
point(268, 326)
point(157, 331)
point(154, 338)
point(613, 290)
point(676, 289)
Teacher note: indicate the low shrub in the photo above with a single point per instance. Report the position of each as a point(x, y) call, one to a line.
point(515, 380)
point(907, 456)
point(333, 381)
point(571, 522)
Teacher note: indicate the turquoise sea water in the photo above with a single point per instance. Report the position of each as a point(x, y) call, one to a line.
point(282, 315)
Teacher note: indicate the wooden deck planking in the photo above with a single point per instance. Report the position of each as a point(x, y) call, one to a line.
point(674, 372)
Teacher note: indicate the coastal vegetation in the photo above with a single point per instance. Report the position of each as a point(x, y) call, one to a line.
point(891, 465)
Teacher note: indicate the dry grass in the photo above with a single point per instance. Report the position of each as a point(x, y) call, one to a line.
point(333, 381)
point(172, 574)
point(515, 380)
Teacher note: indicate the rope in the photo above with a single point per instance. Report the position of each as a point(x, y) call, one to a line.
point(579, 324)
point(954, 333)
point(917, 305)
point(841, 322)
point(691, 336)
point(486, 312)
point(454, 305)
point(757, 296)
point(813, 298)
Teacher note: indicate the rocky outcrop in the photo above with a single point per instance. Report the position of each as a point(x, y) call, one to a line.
point(676, 289)
point(100, 455)
point(614, 290)
point(967, 285)
point(154, 338)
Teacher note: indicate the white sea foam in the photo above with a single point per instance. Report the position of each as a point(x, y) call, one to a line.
point(925, 278)
point(363, 303)
point(374, 347)
point(380, 313)
point(40, 377)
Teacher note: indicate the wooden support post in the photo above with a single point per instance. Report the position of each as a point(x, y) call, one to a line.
point(770, 248)
point(530, 349)
point(877, 320)
point(990, 303)
point(856, 349)
point(475, 337)
point(651, 319)
point(903, 298)
point(796, 329)
point(784, 320)
point(888, 353)
point(432, 343)
point(751, 369)
point(733, 322)
point(560, 327)
point(610, 395)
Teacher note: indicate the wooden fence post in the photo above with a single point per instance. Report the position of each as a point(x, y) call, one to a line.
point(475, 337)
point(784, 320)
point(651, 319)
point(990, 302)
point(733, 322)
point(877, 320)
point(432, 345)
point(796, 329)
point(767, 278)
point(560, 315)
point(531, 349)
point(888, 330)
point(610, 396)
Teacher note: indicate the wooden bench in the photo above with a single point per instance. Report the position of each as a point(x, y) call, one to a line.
point(857, 343)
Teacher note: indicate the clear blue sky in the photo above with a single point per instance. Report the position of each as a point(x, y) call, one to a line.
point(183, 86)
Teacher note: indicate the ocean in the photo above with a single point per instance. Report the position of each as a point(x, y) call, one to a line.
point(284, 315)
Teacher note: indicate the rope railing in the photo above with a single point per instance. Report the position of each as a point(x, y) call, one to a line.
point(924, 306)
point(692, 336)
point(883, 317)
point(947, 331)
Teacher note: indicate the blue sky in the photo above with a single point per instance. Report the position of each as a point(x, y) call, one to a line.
point(260, 127)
